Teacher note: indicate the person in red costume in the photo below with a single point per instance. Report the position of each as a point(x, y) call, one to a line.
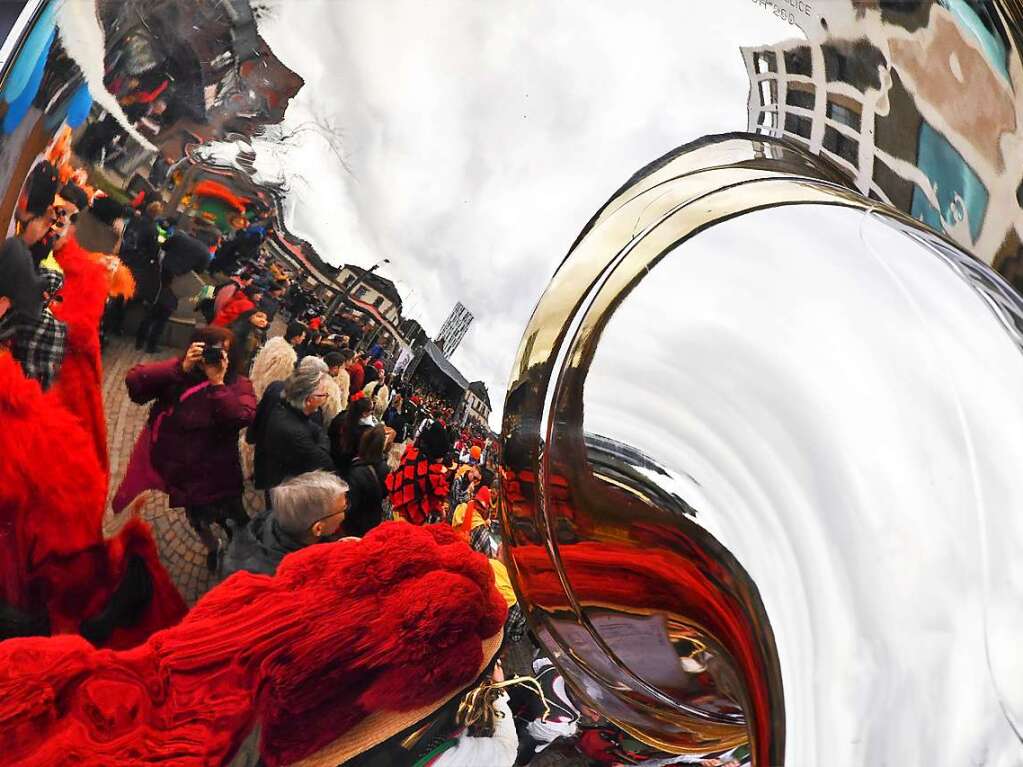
point(349, 644)
point(418, 488)
point(57, 572)
point(240, 303)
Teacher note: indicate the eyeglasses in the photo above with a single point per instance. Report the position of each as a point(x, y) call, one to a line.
point(328, 516)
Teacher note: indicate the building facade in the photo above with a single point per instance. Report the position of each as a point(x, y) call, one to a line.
point(454, 329)
point(476, 405)
point(371, 288)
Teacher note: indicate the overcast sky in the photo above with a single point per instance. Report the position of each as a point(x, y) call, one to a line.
point(481, 137)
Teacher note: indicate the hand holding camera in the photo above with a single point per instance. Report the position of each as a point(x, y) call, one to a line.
point(193, 355)
point(214, 362)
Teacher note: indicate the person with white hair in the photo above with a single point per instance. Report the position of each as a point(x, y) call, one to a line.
point(306, 509)
point(289, 440)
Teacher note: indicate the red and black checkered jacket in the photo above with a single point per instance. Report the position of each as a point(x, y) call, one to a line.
point(418, 488)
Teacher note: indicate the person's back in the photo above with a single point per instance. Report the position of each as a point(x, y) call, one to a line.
point(366, 495)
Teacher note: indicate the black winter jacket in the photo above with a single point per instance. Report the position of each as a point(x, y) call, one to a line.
point(366, 493)
point(288, 443)
point(258, 547)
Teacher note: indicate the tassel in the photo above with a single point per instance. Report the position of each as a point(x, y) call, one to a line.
point(476, 711)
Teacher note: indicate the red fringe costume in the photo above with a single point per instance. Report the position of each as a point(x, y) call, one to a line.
point(53, 483)
point(391, 622)
point(417, 488)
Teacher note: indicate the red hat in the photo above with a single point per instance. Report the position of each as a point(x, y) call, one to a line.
point(475, 452)
point(348, 644)
point(378, 365)
point(483, 496)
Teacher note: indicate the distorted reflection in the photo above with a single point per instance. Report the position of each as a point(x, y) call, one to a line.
point(759, 465)
point(825, 470)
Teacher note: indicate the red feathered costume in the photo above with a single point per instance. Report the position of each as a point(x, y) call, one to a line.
point(389, 623)
point(53, 484)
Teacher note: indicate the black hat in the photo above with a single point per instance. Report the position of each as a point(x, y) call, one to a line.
point(75, 195)
point(42, 185)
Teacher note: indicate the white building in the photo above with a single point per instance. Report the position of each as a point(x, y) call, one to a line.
point(371, 289)
point(476, 405)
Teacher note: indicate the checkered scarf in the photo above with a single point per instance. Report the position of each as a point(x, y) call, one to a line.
point(39, 343)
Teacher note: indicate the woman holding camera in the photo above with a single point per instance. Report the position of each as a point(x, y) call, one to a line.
point(201, 403)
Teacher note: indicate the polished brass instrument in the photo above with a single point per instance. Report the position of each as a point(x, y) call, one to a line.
point(762, 437)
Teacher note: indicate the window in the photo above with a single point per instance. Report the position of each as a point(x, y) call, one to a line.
point(768, 120)
point(844, 115)
point(841, 145)
point(765, 62)
point(378, 302)
point(797, 61)
point(800, 97)
point(799, 126)
point(768, 92)
point(361, 292)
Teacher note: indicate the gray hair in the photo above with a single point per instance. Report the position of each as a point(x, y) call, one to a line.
point(303, 381)
point(300, 501)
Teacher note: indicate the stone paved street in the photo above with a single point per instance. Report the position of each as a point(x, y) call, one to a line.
point(180, 550)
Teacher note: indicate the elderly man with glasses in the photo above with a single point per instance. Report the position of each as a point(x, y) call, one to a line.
point(306, 509)
point(289, 440)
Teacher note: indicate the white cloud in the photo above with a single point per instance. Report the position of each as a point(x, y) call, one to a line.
point(481, 137)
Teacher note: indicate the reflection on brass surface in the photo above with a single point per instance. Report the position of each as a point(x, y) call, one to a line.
point(740, 451)
point(770, 402)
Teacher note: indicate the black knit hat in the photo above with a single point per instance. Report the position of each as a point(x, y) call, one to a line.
point(435, 441)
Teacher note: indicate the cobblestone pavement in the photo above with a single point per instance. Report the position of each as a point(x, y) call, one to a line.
point(181, 552)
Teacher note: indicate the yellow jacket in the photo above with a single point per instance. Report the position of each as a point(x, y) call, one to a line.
point(459, 517)
point(502, 581)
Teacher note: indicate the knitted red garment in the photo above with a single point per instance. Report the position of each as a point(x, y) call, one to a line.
point(53, 482)
point(394, 621)
point(417, 488)
point(80, 382)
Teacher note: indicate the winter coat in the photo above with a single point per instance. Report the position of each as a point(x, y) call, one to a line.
point(337, 395)
point(289, 443)
point(258, 547)
point(140, 252)
point(380, 394)
point(196, 426)
point(366, 493)
point(275, 362)
point(357, 375)
point(225, 293)
point(236, 307)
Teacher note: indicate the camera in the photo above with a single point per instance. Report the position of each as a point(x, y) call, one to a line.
point(213, 354)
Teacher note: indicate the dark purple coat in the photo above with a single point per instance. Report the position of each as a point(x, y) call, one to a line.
point(196, 447)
